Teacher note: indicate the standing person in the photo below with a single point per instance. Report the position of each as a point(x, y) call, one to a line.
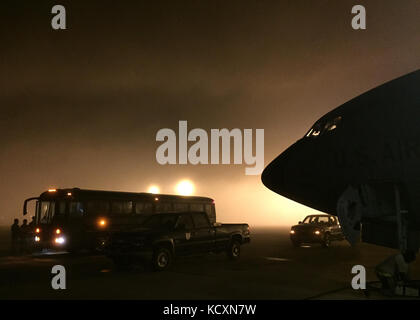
point(15, 232)
point(32, 223)
point(24, 235)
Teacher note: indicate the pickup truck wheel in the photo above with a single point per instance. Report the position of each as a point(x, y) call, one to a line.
point(327, 241)
point(162, 259)
point(234, 250)
point(121, 263)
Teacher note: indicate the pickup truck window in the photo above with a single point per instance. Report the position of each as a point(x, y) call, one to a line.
point(200, 220)
point(207, 208)
point(160, 222)
point(185, 222)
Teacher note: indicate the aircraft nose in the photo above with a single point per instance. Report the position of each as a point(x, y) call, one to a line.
point(273, 176)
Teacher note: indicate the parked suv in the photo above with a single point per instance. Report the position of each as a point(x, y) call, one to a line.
point(316, 229)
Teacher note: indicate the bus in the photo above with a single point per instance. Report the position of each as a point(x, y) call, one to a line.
point(74, 219)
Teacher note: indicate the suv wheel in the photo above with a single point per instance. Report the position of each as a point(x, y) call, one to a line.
point(327, 241)
point(162, 259)
point(296, 243)
point(234, 250)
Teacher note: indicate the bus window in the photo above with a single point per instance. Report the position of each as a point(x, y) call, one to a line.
point(196, 207)
point(144, 208)
point(163, 207)
point(76, 209)
point(61, 209)
point(121, 207)
point(180, 207)
point(46, 211)
point(98, 207)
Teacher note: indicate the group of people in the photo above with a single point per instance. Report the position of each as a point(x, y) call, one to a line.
point(22, 236)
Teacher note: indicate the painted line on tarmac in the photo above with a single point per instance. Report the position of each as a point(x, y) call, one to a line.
point(278, 259)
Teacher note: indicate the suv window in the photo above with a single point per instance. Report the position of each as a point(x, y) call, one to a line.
point(185, 222)
point(200, 220)
point(310, 219)
point(323, 219)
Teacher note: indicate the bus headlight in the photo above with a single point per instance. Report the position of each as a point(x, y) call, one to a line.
point(317, 232)
point(37, 239)
point(292, 231)
point(59, 240)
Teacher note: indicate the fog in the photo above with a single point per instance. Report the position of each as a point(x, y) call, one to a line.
point(81, 107)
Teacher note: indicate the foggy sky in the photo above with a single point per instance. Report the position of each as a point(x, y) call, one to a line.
point(81, 107)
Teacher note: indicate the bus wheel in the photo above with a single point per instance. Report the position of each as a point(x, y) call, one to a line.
point(162, 259)
point(234, 250)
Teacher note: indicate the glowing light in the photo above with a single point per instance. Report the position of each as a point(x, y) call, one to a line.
point(292, 231)
point(60, 240)
point(37, 230)
point(52, 190)
point(102, 222)
point(317, 232)
point(153, 189)
point(156, 199)
point(57, 231)
point(37, 239)
point(69, 194)
point(185, 188)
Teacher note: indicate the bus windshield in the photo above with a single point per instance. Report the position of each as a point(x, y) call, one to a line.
point(46, 211)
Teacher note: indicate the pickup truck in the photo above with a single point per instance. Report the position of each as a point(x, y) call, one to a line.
point(163, 236)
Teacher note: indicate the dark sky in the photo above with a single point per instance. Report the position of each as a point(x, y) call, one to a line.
point(81, 107)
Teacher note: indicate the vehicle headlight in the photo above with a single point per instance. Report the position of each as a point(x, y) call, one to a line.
point(102, 223)
point(37, 239)
point(59, 240)
point(292, 232)
point(317, 232)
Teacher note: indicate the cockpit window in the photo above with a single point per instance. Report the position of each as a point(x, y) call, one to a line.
point(320, 128)
point(331, 125)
